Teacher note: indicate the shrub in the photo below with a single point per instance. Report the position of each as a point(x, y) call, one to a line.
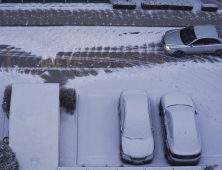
point(124, 5)
point(209, 7)
point(67, 99)
point(8, 160)
point(166, 5)
point(7, 100)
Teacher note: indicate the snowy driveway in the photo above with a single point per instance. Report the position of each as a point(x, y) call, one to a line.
point(98, 129)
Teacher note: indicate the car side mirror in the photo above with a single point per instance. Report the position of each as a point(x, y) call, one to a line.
point(195, 112)
point(121, 129)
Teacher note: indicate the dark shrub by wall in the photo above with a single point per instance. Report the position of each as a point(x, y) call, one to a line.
point(68, 99)
point(8, 160)
point(7, 99)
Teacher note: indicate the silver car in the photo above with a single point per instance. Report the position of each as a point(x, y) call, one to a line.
point(193, 40)
point(182, 143)
point(136, 131)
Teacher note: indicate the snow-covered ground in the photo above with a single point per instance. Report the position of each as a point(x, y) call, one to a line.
point(98, 128)
point(70, 39)
point(68, 6)
point(11, 77)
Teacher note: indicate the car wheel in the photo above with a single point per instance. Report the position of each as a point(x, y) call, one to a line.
point(218, 52)
point(178, 54)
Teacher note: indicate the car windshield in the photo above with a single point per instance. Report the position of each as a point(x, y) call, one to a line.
point(137, 130)
point(187, 35)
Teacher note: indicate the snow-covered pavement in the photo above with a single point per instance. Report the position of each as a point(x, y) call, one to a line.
point(48, 41)
point(98, 129)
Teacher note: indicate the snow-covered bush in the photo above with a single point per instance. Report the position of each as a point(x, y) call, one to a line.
point(124, 5)
point(209, 7)
point(67, 99)
point(8, 160)
point(7, 99)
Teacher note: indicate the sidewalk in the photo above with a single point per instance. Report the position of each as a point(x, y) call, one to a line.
point(100, 15)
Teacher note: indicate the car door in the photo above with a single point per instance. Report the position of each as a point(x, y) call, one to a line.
point(212, 45)
point(197, 46)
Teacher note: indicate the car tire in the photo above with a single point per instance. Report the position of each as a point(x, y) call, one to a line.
point(178, 54)
point(218, 52)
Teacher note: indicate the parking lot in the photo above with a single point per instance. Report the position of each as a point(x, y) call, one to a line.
point(98, 126)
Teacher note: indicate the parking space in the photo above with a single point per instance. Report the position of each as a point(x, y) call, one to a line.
point(98, 127)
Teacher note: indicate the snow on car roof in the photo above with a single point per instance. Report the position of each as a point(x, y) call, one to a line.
point(205, 31)
point(177, 98)
point(137, 123)
point(185, 133)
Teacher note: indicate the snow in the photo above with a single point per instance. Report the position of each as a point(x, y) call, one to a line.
point(176, 97)
point(34, 125)
point(206, 30)
point(7, 77)
point(83, 6)
point(184, 131)
point(136, 122)
point(72, 39)
point(98, 130)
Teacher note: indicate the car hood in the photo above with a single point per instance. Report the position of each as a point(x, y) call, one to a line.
point(137, 148)
point(173, 37)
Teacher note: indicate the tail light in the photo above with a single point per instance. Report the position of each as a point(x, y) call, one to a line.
point(185, 156)
point(197, 155)
point(175, 155)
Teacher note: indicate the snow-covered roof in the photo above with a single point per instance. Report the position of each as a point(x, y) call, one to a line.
point(205, 31)
point(177, 97)
point(137, 123)
point(186, 138)
point(34, 125)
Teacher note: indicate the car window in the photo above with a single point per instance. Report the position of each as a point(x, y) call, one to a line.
point(169, 123)
point(213, 41)
point(200, 42)
point(187, 35)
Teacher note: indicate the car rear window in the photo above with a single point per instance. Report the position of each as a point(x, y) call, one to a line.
point(187, 35)
point(219, 31)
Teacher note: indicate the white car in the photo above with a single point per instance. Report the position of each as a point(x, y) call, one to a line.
point(182, 143)
point(136, 131)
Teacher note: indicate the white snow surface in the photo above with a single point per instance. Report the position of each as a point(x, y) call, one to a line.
point(9, 77)
point(70, 38)
point(34, 125)
point(98, 123)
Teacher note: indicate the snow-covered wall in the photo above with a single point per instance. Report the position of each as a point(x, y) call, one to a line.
point(34, 125)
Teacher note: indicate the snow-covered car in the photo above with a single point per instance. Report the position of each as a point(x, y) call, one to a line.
point(193, 40)
point(136, 130)
point(181, 136)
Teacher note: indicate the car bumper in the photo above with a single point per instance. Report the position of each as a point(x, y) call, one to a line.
point(131, 160)
point(181, 162)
